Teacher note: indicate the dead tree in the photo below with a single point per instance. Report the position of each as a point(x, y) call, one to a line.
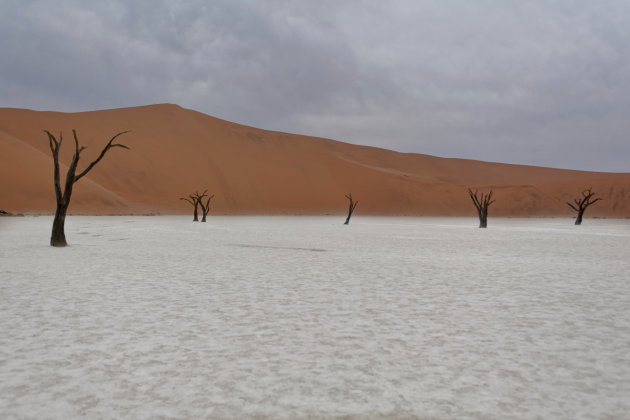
point(582, 203)
point(195, 200)
point(205, 208)
point(481, 204)
point(190, 199)
point(351, 207)
point(58, 237)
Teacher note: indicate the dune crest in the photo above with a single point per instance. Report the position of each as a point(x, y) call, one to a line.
point(175, 151)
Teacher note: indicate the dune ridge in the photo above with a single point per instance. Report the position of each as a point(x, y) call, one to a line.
point(175, 151)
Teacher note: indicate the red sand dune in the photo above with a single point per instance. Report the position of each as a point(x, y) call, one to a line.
point(175, 151)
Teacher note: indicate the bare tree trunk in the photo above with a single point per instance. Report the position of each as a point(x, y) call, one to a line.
point(58, 236)
point(483, 219)
point(481, 204)
point(195, 214)
point(578, 219)
point(205, 209)
point(351, 208)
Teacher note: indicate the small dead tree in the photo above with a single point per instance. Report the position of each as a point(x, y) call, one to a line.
point(481, 204)
point(205, 208)
point(190, 199)
point(58, 236)
point(195, 200)
point(351, 207)
point(582, 203)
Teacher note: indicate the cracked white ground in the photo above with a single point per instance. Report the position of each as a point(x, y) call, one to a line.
point(293, 317)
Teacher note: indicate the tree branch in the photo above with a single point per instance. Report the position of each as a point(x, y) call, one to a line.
point(54, 147)
point(108, 146)
point(474, 198)
point(206, 208)
point(572, 206)
point(592, 202)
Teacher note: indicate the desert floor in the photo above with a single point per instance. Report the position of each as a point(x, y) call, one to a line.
point(294, 317)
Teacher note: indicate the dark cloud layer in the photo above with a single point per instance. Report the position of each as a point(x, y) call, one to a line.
point(539, 82)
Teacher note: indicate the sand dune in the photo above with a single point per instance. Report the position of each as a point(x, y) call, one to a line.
point(175, 151)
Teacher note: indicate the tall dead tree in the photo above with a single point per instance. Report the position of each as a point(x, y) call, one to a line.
point(481, 204)
point(581, 204)
point(351, 207)
point(205, 208)
point(195, 200)
point(58, 236)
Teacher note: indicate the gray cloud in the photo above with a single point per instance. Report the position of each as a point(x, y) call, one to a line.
point(540, 82)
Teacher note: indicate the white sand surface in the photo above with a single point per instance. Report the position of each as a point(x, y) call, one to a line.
point(302, 317)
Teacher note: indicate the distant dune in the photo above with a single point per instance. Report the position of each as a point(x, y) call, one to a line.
point(175, 151)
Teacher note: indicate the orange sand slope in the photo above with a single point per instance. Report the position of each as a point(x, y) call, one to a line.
point(175, 151)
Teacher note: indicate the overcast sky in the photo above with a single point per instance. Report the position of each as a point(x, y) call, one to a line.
point(535, 82)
